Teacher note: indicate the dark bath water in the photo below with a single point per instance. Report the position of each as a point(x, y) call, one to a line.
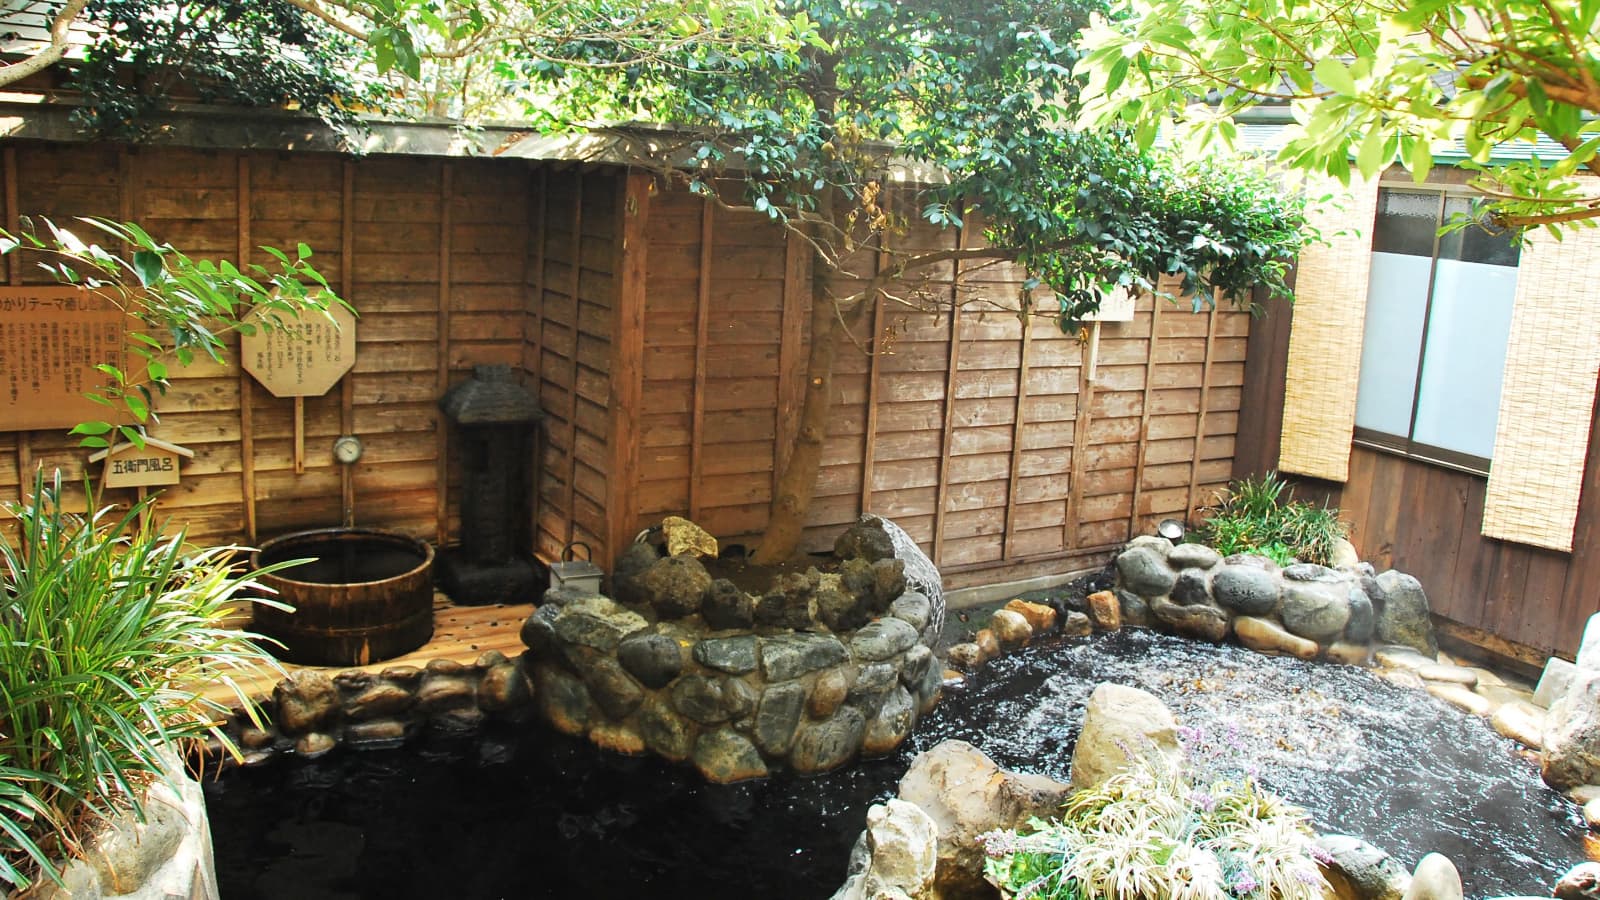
point(537, 815)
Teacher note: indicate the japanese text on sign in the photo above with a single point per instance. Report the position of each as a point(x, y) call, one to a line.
point(51, 340)
point(304, 358)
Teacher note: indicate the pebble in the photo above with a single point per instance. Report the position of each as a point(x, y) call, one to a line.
point(1010, 628)
point(1040, 618)
point(1402, 677)
point(1591, 814)
point(1400, 658)
point(1448, 674)
point(1520, 721)
point(1460, 697)
point(1435, 878)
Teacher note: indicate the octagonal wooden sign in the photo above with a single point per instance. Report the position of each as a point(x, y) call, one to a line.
point(306, 357)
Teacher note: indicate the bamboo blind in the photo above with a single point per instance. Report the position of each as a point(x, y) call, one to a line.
point(1548, 396)
point(1319, 403)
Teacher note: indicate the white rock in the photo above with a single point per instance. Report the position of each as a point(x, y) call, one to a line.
point(1589, 647)
point(1122, 725)
point(1436, 878)
point(904, 843)
point(1460, 697)
point(1344, 555)
point(1553, 683)
point(1520, 721)
point(1450, 674)
point(1591, 814)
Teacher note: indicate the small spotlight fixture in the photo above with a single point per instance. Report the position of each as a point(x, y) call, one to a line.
point(1171, 529)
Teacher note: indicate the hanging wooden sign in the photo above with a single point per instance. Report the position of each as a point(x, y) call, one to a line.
point(153, 465)
point(51, 339)
point(304, 358)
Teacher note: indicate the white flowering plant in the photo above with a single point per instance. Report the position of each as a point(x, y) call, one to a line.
point(1150, 834)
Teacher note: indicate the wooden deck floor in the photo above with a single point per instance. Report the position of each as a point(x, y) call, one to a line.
point(460, 633)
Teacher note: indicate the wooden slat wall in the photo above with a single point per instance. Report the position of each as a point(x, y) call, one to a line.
point(966, 444)
point(386, 215)
point(1426, 520)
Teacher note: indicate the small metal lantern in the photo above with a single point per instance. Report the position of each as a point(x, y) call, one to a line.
point(1171, 529)
point(578, 574)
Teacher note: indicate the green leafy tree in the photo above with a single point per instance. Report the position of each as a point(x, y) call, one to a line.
point(976, 96)
point(1370, 82)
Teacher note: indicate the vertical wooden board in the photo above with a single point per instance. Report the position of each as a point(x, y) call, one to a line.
point(1581, 598)
point(633, 211)
point(442, 371)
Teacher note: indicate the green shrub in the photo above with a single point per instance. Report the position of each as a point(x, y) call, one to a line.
point(1253, 519)
point(106, 630)
point(1148, 834)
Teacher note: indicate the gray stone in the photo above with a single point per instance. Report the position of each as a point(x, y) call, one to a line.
point(888, 583)
point(1134, 611)
point(913, 608)
point(1144, 572)
point(654, 659)
point(724, 756)
point(539, 630)
point(915, 664)
point(882, 639)
point(1252, 560)
point(890, 725)
point(790, 603)
point(829, 744)
point(1572, 734)
point(1193, 556)
point(1247, 590)
point(777, 717)
point(1122, 726)
point(1317, 610)
point(876, 677)
point(735, 655)
point(920, 575)
point(1372, 873)
point(633, 562)
point(789, 656)
point(1206, 623)
point(727, 608)
point(1343, 555)
point(1191, 589)
point(738, 697)
point(612, 688)
point(864, 540)
point(563, 700)
point(305, 701)
point(929, 689)
point(596, 622)
point(1581, 882)
point(1435, 878)
point(843, 611)
point(1077, 624)
point(1362, 617)
point(1554, 681)
point(663, 731)
point(676, 586)
point(1157, 544)
point(967, 795)
point(699, 698)
point(1404, 617)
point(1312, 572)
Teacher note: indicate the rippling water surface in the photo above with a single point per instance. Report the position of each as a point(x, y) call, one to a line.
point(536, 815)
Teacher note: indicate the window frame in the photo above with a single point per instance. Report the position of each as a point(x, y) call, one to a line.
point(1405, 445)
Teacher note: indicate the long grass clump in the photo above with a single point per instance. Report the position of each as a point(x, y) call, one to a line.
point(1255, 517)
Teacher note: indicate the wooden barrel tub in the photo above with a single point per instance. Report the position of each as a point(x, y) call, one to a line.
point(367, 596)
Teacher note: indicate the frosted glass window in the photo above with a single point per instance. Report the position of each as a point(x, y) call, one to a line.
point(1438, 313)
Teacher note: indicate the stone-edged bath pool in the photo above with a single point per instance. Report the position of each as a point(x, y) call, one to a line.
point(535, 814)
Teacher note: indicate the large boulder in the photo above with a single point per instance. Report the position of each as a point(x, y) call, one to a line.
point(675, 586)
point(1355, 868)
point(1572, 729)
point(897, 855)
point(1144, 571)
point(1315, 609)
point(1247, 590)
point(966, 795)
point(1403, 616)
point(919, 574)
point(1123, 726)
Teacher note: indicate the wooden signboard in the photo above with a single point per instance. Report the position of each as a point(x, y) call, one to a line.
point(1115, 306)
point(304, 358)
point(51, 339)
point(153, 465)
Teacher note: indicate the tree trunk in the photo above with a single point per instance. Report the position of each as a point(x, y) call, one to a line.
point(792, 501)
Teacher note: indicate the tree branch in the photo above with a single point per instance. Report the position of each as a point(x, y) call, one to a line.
point(60, 27)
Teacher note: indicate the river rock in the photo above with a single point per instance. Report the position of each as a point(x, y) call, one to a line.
point(987, 642)
point(1371, 873)
point(915, 664)
point(699, 698)
point(1581, 882)
point(685, 538)
point(1105, 611)
point(913, 608)
point(676, 586)
point(1317, 610)
point(1452, 674)
point(563, 700)
point(1343, 555)
point(1076, 624)
point(903, 846)
point(1133, 610)
point(1122, 726)
point(1405, 617)
point(1040, 617)
point(1204, 622)
point(966, 656)
point(966, 795)
point(829, 744)
point(1363, 619)
point(777, 717)
point(1193, 556)
point(1191, 589)
point(654, 659)
point(727, 608)
point(789, 656)
point(1247, 590)
point(665, 732)
point(864, 540)
point(1520, 721)
point(1572, 734)
point(1459, 696)
point(1267, 636)
point(1311, 572)
point(379, 701)
point(305, 701)
point(890, 724)
point(504, 688)
point(1435, 878)
point(734, 655)
point(827, 693)
point(883, 639)
point(1144, 572)
point(724, 756)
point(1010, 628)
point(595, 622)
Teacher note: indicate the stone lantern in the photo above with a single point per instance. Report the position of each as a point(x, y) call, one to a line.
point(496, 422)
